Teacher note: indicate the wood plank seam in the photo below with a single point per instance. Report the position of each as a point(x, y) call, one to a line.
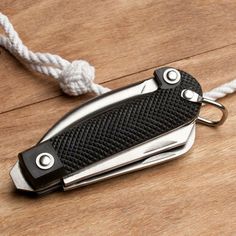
point(121, 77)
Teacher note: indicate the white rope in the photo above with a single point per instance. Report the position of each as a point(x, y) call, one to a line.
point(221, 91)
point(75, 77)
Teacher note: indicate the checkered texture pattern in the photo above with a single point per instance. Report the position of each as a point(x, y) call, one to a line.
point(126, 124)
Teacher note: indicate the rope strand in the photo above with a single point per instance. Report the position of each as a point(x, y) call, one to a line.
point(221, 91)
point(75, 78)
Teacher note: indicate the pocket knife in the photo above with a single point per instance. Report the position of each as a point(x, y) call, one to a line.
point(122, 131)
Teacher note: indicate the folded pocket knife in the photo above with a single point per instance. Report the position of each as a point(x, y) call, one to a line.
point(122, 131)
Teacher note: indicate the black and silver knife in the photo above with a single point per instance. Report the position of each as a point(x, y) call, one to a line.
point(122, 131)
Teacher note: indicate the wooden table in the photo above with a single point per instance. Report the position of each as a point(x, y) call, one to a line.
point(125, 40)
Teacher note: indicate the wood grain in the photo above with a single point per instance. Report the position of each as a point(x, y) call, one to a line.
point(118, 37)
point(194, 195)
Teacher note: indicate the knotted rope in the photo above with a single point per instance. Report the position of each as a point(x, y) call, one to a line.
point(75, 78)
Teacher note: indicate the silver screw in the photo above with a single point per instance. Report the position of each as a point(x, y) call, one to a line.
point(171, 76)
point(188, 94)
point(44, 161)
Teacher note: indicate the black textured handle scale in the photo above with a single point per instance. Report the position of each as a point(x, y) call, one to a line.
point(129, 123)
point(124, 125)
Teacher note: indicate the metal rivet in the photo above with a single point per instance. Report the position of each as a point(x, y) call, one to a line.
point(171, 76)
point(188, 94)
point(44, 161)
